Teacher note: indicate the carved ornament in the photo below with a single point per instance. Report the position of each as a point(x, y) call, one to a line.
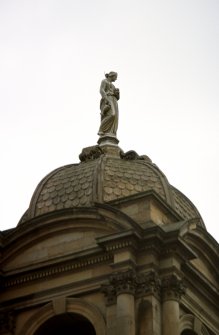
point(90, 153)
point(131, 283)
point(172, 288)
point(149, 283)
point(132, 155)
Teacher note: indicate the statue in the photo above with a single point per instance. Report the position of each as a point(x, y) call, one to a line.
point(109, 106)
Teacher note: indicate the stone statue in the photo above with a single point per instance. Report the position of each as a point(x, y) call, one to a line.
point(109, 106)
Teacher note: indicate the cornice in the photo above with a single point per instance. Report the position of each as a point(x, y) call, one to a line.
point(155, 239)
point(127, 239)
point(54, 270)
point(152, 195)
point(163, 243)
point(45, 295)
point(166, 243)
point(205, 288)
point(52, 218)
point(100, 218)
point(195, 308)
point(205, 245)
point(120, 215)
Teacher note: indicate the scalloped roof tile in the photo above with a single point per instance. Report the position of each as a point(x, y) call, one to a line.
point(104, 179)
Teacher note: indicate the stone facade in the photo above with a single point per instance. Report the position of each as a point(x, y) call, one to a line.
point(108, 246)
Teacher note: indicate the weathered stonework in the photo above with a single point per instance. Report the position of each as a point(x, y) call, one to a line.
point(140, 285)
point(103, 249)
point(105, 174)
point(7, 322)
point(90, 153)
point(172, 288)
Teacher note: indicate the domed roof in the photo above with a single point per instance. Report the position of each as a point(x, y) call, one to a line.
point(103, 176)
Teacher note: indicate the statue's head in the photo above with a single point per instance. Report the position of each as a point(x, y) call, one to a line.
point(111, 75)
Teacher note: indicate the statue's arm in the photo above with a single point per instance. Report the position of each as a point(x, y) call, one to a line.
point(103, 91)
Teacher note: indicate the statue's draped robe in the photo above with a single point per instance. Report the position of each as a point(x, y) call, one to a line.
point(109, 108)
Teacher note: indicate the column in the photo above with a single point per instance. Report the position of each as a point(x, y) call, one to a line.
point(125, 312)
point(149, 308)
point(172, 289)
point(124, 286)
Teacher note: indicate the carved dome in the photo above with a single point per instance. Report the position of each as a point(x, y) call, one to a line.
point(105, 177)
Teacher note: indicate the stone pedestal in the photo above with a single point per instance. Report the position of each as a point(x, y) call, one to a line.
point(108, 140)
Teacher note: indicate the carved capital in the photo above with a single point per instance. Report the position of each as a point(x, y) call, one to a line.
point(124, 282)
point(120, 282)
point(149, 283)
point(7, 323)
point(131, 283)
point(172, 288)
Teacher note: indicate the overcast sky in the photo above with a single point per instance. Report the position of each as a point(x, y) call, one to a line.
point(53, 55)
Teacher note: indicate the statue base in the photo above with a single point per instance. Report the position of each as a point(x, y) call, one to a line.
point(108, 140)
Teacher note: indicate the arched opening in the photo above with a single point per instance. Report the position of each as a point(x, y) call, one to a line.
point(66, 324)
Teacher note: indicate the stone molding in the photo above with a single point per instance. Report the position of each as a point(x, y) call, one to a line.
point(129, 243)
point(172, 288)
point(7, 322)
point(191, 322)
point(55, 270)
point(73, 305)
point(108, 140)
point(194, 306)
point(43, 314)
point(127, 240)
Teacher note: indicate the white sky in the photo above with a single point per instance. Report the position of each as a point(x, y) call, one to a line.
point(53, 55)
